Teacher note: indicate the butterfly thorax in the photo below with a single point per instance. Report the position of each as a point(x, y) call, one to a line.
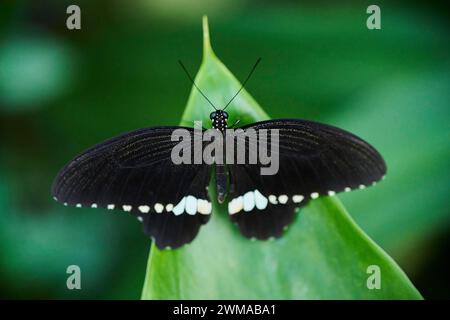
point(219, 120)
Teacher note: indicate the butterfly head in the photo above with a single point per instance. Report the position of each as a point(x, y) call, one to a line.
point(219, 119)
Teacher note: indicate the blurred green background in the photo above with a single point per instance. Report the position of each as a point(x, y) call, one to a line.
point(62, 91)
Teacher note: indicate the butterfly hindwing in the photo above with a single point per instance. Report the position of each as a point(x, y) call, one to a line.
point(134, 173)
point(254, 207)
point(314, 160)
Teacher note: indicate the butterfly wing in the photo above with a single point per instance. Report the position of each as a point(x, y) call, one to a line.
point(134, 173)
point(314, 160)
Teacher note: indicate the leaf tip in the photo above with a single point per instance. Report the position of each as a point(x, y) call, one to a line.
point(207, 49)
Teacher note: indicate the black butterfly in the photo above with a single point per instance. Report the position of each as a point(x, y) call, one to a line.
point(134, 173)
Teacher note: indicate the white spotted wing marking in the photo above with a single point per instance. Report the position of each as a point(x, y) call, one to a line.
point(204, 206)
point(314, 195)
point(158, 207)
point(254, 199)
point(273, 199)
point(179, 208)
point(191, 205)
point(235, 205)
point(144, 208)
point(260, 201)
point(248, 201)
point(297, 198)
point(283, 199)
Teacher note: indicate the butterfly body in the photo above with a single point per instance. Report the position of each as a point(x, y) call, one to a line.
point(219, 121)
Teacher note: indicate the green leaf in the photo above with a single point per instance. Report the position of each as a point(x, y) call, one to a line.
point(408, 108)
point(323, 255)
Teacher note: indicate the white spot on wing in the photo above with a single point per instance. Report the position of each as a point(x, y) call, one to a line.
point(144, 209)
point(204, 206)
point(235, 205)
point(94, 205)
point(78, 205)
point(347, 189)
point(248, 201)
point(283, 199)
point(140, 219)
point(127, 207)
point(273, 199)
point(361, 186)
point(169, 207)
point(191, 205)
point(260, 201)
point(331, 193)
point(158, 207)
point(179, 208)
point(297, 198)
point(110, 206)
point(314, 195)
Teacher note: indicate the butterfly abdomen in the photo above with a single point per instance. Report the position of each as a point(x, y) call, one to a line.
point(221, 182)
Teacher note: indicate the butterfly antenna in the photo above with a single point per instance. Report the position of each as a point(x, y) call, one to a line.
point(193, 82)
point(245, 81)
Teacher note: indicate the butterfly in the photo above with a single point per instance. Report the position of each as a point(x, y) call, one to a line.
point(133, 172)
